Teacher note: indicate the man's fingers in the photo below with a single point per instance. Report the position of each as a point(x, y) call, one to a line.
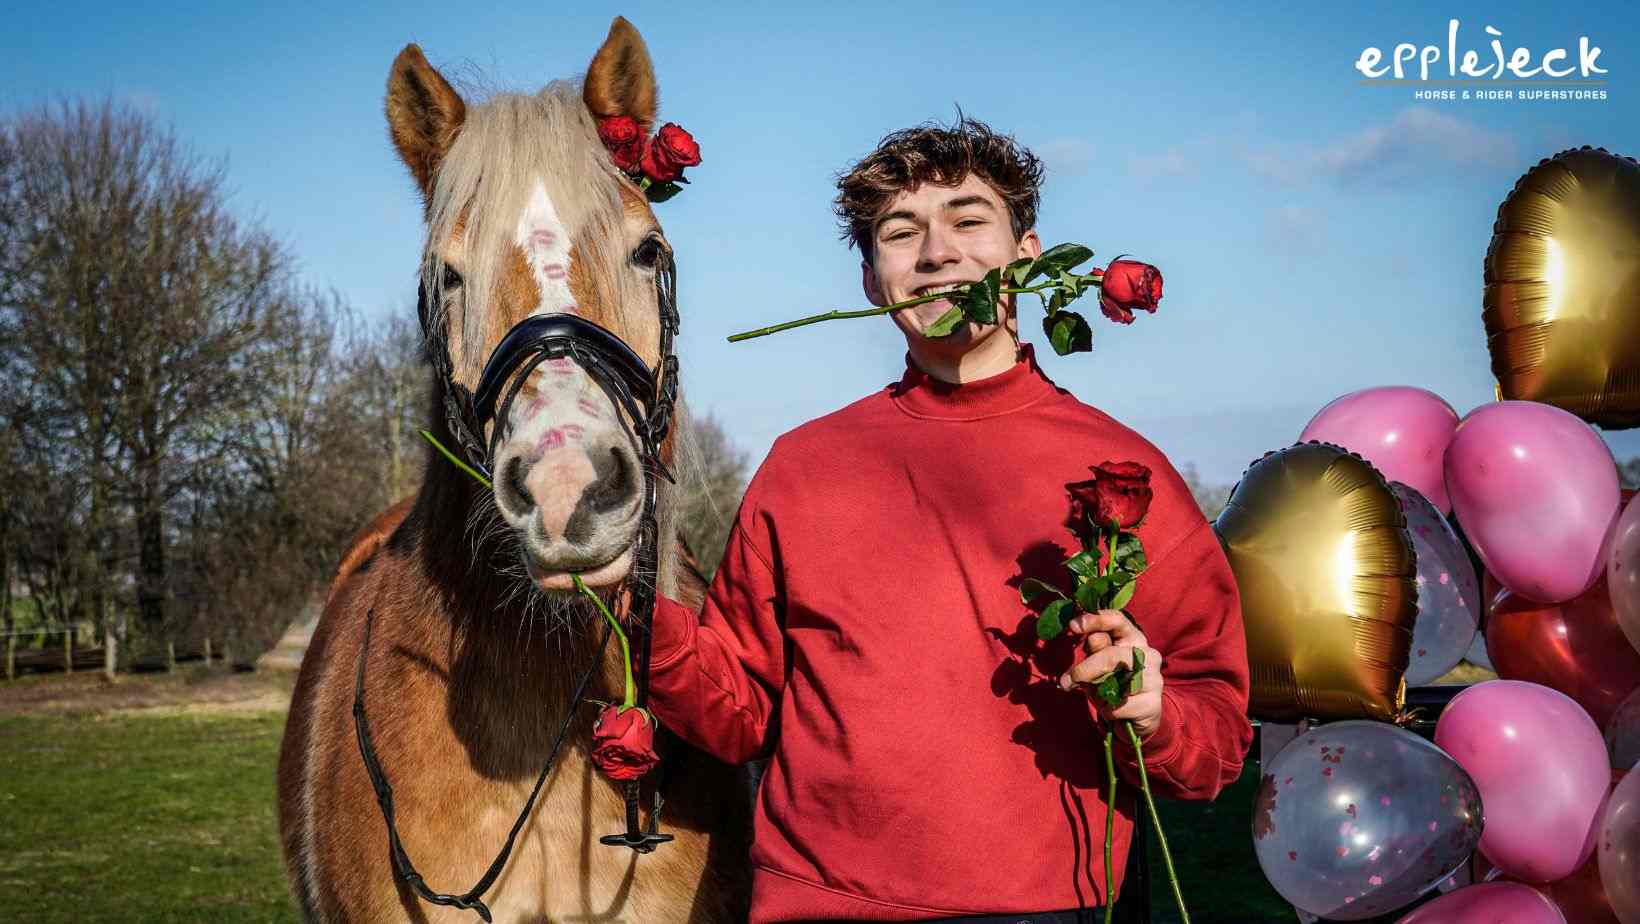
point(1097, 665)
point(1113, 622)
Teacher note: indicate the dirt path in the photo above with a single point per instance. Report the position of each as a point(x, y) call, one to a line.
point(193, 689)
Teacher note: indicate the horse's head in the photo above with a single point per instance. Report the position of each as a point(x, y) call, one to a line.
point(527, 215)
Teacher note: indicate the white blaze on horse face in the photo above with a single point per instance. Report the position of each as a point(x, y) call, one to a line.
point(563, 416)
point(568, 403)
point(545, 242)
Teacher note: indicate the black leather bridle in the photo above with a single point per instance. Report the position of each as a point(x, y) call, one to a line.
point(647, 397)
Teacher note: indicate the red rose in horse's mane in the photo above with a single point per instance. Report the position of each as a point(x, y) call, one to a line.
point(620, 134)
point(1118, 491)
point(671, 150)
point(623, 743)
point(1129, 286)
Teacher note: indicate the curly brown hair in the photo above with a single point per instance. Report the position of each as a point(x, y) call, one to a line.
point(933, 153)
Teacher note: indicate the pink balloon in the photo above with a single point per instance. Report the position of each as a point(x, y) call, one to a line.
point(1402, 431)
point(1623, 571)
point(1488, 903)
point(1620, 849)
point(1540, 764)
point(1536, 492)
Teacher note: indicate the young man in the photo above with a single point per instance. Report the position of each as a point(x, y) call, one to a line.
point(928, 758)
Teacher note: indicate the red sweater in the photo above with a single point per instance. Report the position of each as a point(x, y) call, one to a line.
point(865, 633)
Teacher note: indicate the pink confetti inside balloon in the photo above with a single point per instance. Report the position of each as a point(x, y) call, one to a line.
point(1388, 817)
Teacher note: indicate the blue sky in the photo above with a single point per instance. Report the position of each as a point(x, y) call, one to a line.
point(1317, 235)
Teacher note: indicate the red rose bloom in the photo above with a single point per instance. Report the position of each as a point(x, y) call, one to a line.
point(623, 743)
point(1118, 491)
point(671, 150)
point(620, 134)
point(1129, 286)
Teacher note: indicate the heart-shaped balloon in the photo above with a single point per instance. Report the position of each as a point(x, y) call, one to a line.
point(1325, 568)
point(1562, 298)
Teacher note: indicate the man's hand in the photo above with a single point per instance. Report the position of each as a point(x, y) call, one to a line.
point(1111, 639)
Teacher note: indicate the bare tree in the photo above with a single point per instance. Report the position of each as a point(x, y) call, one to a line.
point(711, 500)
point(1210, 498)
point(135, 299)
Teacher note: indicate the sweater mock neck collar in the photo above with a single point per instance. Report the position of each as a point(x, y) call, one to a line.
point(923, 395)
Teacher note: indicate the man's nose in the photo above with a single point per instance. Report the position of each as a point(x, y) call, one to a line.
point(938, 249)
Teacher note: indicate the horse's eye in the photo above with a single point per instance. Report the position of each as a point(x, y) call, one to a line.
point(648, 253)
point(452, 279)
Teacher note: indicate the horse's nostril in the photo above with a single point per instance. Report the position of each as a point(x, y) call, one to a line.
point(615, 484)
point(514, 497)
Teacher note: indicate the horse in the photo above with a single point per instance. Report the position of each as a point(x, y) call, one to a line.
point(465, 592)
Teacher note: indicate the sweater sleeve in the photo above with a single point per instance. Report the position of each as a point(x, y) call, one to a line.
point(1189, 609)
point(716, 679)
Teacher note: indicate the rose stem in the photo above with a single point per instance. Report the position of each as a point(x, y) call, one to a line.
point(868, 312)
point(1110, 823)
point(630, 698)
point(1156, 820)
point(452, 457)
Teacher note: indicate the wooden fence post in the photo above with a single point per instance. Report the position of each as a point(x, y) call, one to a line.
point(68, 650)
point(170, 656)
point(110, 655)
point(207, 651)
point(11, 657)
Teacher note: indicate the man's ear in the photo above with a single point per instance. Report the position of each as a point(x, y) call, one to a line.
point(1030, 245)
point(869, 282)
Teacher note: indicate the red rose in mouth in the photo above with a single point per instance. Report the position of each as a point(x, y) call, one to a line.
point(1129, 286)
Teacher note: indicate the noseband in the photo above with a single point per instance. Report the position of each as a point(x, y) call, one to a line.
point(646, 397)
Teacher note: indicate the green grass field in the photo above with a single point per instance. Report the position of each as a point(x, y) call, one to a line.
point(166, 813)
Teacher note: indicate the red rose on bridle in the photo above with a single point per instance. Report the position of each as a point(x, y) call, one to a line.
point(1129, 286)
point(623, 138)
point(623, 743)
point(671, 150)
point(655, 164)
point(1118, 491)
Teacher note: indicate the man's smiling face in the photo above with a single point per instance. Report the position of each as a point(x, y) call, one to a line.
point(933, 237)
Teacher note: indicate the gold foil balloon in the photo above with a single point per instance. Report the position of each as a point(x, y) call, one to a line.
point(1326, 572)
point(1562, 301)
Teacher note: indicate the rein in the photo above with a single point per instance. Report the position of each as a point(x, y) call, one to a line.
point(647, 396)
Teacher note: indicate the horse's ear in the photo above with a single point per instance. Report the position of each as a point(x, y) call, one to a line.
point(424, 113)
point(621, 80)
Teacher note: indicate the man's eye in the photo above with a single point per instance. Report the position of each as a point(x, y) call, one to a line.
point(970, 222)
point(899, 235)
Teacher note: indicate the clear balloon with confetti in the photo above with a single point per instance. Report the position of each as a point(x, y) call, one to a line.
point(1357, 819)
point(1449, 596)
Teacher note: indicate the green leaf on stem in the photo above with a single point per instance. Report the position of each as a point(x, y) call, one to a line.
point(1130, 553)
point(944, 324)
point(1085, 564)
point(1124, 594)
point(1031, 588)
point(1051, 624)
point(1090, 593)
point(660, 192)
point(1061, 257)
point(981, 304)
point(1019, 271)
point(1069, 333)
point(1071, 284)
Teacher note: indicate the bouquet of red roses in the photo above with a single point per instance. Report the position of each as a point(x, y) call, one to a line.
point(1106, 512)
